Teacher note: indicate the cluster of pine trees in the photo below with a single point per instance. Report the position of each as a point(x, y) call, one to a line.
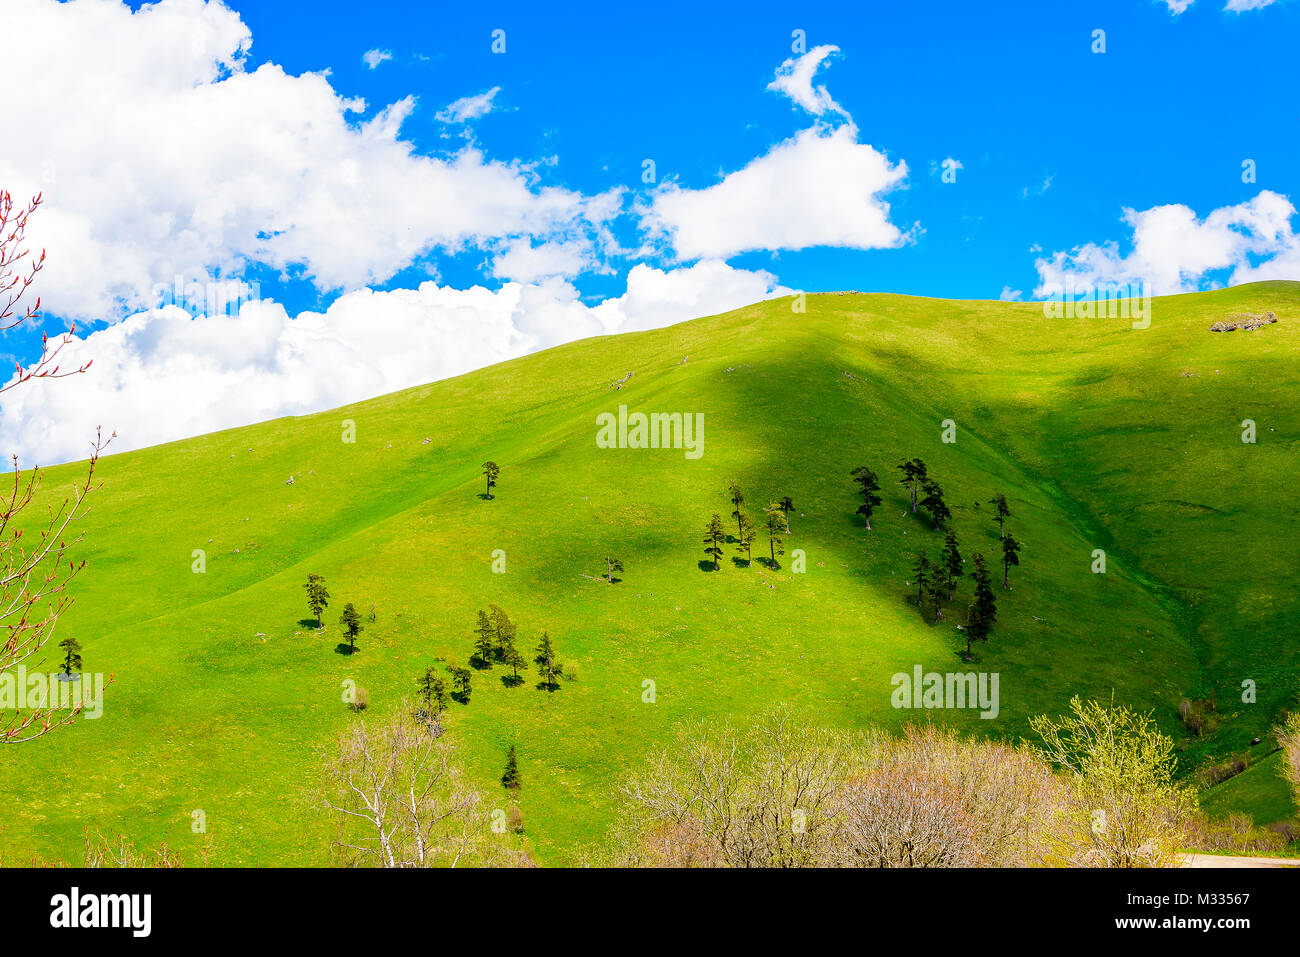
point(936, 579)
point(776, 519)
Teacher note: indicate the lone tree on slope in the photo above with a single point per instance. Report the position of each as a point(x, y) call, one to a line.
point(318, 597)
point(714, 538)
point(612, 565)
point(510, 778)
point(869, 485)
point(1010, 556)
point(72, 655)
point(351, 622)
point(505, 630)
point(914, 473)
point(490, 472)
point(1001, 512)
point(461, 679)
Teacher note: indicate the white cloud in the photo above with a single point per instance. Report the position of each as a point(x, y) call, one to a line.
point(820, 188)
point(794, 79)
point(1174, 251)
point(159, 153)
point(1011, 295)
point(161, 375)
point(1235, 6)
point(372, 58)
point(468, 107)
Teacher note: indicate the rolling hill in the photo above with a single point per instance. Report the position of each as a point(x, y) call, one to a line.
point(1102, 436)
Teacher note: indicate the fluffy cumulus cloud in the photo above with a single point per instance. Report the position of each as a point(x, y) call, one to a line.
point(169, 157)
point(162, 374)
point(372, 58)
point(821, 187)
point(1173, 250)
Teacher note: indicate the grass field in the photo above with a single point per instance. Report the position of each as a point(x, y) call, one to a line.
point(1102, 437)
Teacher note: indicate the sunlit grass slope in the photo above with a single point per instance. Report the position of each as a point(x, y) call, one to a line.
point(1102, 436)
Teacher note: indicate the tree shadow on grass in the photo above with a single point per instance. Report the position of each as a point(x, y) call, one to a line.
point(309, 623)
point(543, 686)
point(769, 563)
point(741, 562)
point(343, 648)
point(706, 566)
point(512, 681)
point(479, 663)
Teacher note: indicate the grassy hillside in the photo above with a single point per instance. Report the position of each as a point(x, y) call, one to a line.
point(1101, 436)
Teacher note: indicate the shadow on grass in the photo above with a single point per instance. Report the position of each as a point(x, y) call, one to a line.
point(343, 648)
point(543, 686)
point(512, 681)
point(769, 563)
point(706, 566)
point(742, 562)
point(479, 663)
point(310, 623)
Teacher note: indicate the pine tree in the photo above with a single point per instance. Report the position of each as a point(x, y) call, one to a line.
point(510, 779)
point(787, 507)
point(914, 472)
point(1001, 512)
point(921, 570)
point(351, 622)
point(504, 631)
point(745, 543)
point(72, 655)
point(485, 640)
point(934, 504)
point(1010, 556)
point(433, 693)
point(775, 544)
point(490, 472)
point(951, 560)
point(869, 486)
point(737, 500)
point(515, 660)
point(714, 538)
point(547, 667)
point(983, 610)
point(460, 683)
point(318, 598)
point(935, 593)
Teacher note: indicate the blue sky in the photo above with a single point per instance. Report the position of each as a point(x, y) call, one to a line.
point(229, 140)
point(1166, 115)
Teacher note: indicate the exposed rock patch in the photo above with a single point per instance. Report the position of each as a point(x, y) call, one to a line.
point(1248, 321)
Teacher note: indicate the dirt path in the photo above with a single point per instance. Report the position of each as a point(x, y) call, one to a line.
point(1219, 860)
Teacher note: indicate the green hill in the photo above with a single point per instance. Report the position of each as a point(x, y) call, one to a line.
point(1102, 437)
